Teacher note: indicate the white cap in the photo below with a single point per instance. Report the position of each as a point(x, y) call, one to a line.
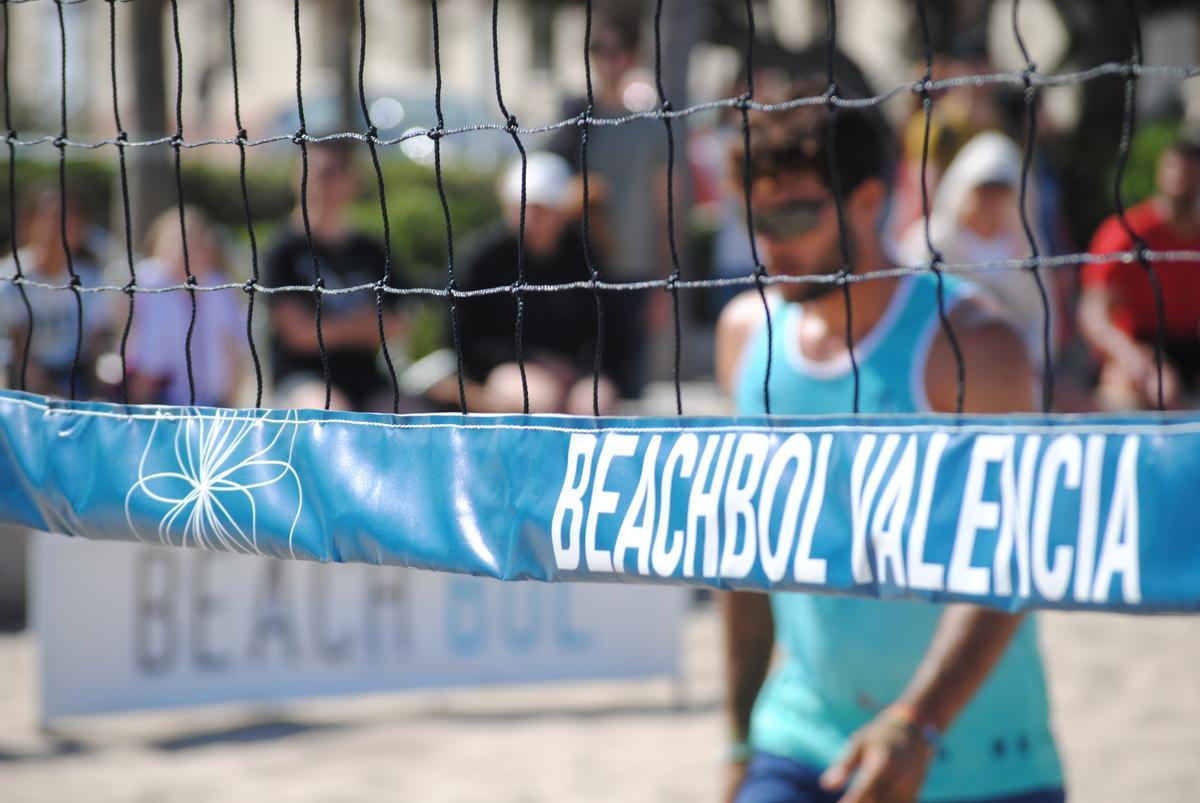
point(989, 158)
point(547, 181)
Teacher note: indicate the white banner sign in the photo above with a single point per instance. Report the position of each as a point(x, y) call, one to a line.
point(124, 627)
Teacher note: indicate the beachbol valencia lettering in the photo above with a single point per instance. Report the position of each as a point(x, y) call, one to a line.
point(1047, 517)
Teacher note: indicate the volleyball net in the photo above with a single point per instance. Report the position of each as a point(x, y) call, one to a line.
point(1017, 511)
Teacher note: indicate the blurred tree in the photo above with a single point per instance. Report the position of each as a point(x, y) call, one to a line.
point(151, 182)
point(1100, 32)
point(339, 54)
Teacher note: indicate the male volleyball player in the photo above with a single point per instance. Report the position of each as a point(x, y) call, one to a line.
point(871, 700)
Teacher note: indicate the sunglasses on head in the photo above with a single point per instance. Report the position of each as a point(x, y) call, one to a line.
point(789, 220)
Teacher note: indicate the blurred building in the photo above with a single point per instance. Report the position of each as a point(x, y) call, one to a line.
point(540, 55)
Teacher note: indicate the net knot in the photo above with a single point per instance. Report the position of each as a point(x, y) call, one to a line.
point(743, 102)
point(191, 281)
point(130, 288)
point(437, 132)
point(10, 136)
point(249, 286)
point(242, 136)
point(831, 95)
point(372, 132)
point(665, 108)
point(75, 282)
point(510, 125)
point(517, 287)
point(1141, 251)
point(122, 136)
point(176, 141)
point(584, 118)
point(60, 141)
point(319, 285)
point(299, 136)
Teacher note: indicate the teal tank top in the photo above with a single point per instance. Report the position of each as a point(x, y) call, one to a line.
point(847, 658)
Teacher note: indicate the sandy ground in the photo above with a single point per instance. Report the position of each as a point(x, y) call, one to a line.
point(1126, 694)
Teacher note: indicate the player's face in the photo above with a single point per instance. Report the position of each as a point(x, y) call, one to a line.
point(543, 227)
point(795, 223)
point(44, 228)
point(1179, 177)
point(611, 59)
point(331, 178)
point(988, 207)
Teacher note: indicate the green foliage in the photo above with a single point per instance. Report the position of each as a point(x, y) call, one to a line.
point(87, 179)
point(1150, 140)
point(418, 228)
point(217, 190)
point(418, 225)
point(214, 188)
point(427, 328)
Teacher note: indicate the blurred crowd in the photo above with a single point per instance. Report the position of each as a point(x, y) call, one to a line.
point(960, 205)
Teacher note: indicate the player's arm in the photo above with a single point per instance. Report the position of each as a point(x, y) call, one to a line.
point(1135, 360)
point(748, 625)
point(738, 320)
point(999, 376)
point(1097, 327)
point(888, 758)
point(749, 640)
point(294, 324)
point(293, 315)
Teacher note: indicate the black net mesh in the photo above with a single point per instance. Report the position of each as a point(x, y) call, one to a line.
point(1029, 80)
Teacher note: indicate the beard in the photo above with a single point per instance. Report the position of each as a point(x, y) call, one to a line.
point(809, 291)
point(830, 264)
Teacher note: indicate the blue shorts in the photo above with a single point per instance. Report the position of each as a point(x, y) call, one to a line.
point(774, 779)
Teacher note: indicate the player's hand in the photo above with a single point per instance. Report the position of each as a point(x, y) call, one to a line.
point(885, 762)
point(1170, 383)
point(1140, 365)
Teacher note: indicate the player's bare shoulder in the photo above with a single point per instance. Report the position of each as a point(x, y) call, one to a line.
point(998, 377)
point(740, 318)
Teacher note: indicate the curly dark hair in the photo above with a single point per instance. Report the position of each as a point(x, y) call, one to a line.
point(798, 140)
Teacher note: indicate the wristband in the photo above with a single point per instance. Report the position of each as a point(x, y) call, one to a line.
point(903, 714)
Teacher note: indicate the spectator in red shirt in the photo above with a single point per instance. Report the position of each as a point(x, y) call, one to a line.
point(1117, 315)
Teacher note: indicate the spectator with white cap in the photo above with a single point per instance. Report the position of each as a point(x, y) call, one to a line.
point(975, 219)
point(558, 331)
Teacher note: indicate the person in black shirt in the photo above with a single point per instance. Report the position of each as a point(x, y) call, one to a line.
point(559, 331)
point(349, 323)
point(627, 165)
